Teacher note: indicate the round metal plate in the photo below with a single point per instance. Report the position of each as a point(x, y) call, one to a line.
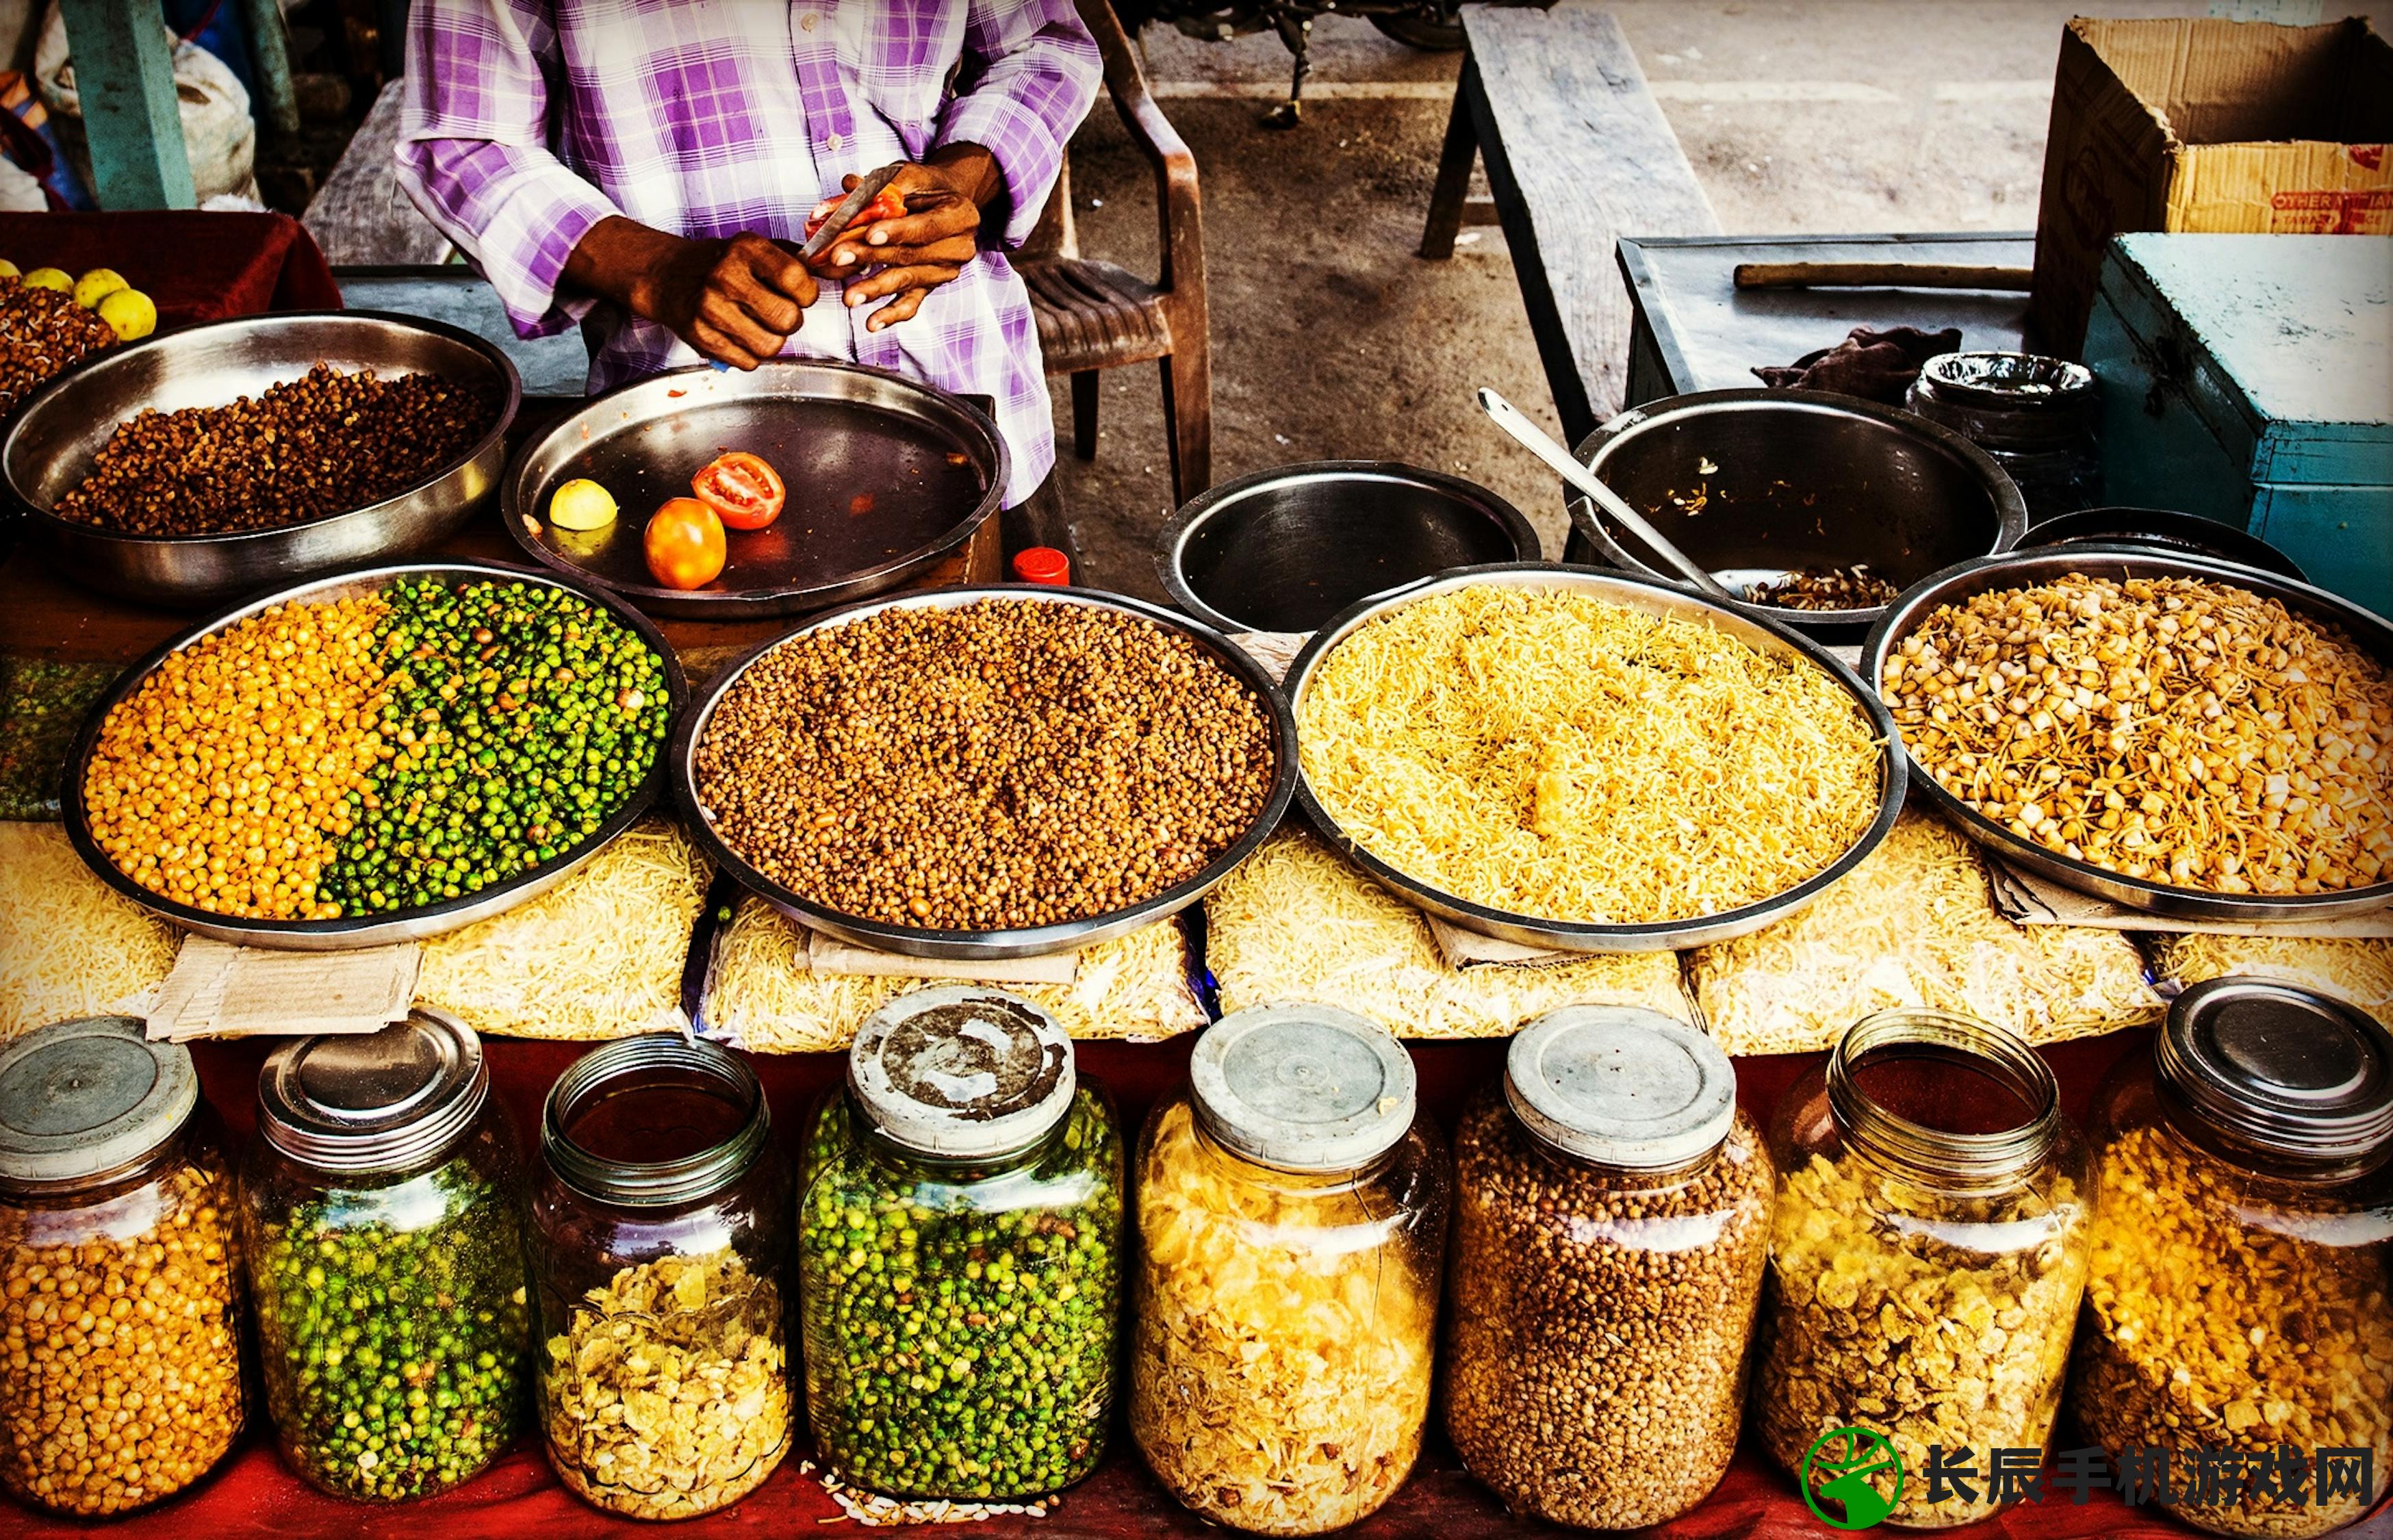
point(876, 492)
point(50, 447)
point(1654, 596)
point(379, 929)
point(1037, 941)
point(2025, 569)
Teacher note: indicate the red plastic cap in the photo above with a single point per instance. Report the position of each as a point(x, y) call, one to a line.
point(1043, 564)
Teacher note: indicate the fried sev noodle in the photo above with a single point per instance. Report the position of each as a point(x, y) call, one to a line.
point(1557, 755)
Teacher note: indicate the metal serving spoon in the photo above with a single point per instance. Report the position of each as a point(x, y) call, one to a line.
point(1535, 441)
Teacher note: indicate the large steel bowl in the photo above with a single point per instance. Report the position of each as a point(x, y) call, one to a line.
point(1030, 941)
point(1653, 596)
point(50, 448)
point(1755, 483)
point(2027, 568)
point(1287, 548)
point(928, 468)
point(375, 930)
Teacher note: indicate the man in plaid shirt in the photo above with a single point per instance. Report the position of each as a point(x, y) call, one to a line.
point(646, 167)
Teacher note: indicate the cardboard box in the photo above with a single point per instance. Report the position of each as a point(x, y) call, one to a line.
point(2206, 126)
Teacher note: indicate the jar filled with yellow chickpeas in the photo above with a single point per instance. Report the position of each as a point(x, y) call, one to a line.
point(2239, 1301)
point(120, 1345)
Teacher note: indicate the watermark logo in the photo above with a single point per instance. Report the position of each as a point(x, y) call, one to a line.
point(1838, 1468)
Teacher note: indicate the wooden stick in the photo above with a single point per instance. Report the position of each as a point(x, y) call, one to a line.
point(1879, 275)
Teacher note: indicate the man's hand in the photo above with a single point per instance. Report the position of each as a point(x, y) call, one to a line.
point(946, 200)
point(736, 301)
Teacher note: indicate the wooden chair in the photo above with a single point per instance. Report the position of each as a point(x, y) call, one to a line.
point(1095, 316)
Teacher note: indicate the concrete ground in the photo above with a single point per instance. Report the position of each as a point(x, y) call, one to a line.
point(1331, 340)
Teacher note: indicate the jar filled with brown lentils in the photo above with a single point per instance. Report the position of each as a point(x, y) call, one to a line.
point(120, 1347)
point(1612, 1210)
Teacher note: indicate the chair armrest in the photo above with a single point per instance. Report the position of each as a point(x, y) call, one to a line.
point(1176, 201)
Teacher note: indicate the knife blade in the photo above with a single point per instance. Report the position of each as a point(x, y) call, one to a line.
point(849, 207)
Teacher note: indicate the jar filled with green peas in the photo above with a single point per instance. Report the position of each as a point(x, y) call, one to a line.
point(381, 1228)
point(959, 1236)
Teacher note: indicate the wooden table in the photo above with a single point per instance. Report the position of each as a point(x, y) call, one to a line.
point(1693, 329)
point(45, 615)
point(1578, 155)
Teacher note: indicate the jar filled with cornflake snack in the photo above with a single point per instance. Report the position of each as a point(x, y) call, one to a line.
point(661, 1251)
point(1612, 1216)
point(2238, 1338)
point(1927, 1255)
point(120, 1318)
point(1291, 1216)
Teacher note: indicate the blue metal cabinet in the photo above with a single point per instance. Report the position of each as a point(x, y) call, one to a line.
point(2249, 379)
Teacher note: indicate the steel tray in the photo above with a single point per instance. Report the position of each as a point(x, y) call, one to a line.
point(1654, 596)
point(836, 433)
point(2025, 569)
point(1035, 940)
point(358, 930)
point(50, 447)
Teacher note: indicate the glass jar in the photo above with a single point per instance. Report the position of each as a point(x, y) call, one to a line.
point(382, 1220)
point(2237, 1298)
point(1291, 1221)
point(1927, 1255)
point(660, 1243)
point(959, 1250)
point(120, 1332)
point(1612, 1215)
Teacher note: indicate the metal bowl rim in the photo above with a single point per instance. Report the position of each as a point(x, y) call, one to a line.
point(1578, 935)
point(693, 601)
point(490, 352)
point(1199, 510)
point(359, 931)
point(2011, 505)
point(1031, 941)
point(2162, 543)
point(1903, 616)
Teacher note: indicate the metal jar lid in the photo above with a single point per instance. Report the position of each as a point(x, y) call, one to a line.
point(1621, 1086)
point(81, 1098)
point(373, 1101)
point(696, 1064)
point(2279, 1069)
point(1304, 1088)
point(963, 1072)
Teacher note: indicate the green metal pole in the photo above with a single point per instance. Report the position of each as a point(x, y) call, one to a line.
point(269, 59)
point(124, 74)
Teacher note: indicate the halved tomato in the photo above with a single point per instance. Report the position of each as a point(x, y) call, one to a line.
point(683, 544)
point(745, 492)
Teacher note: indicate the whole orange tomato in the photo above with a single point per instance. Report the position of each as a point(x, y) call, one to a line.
point(684, 545)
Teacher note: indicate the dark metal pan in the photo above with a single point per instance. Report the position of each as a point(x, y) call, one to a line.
point(886, 476)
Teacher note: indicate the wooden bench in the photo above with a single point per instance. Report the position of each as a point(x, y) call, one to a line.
point(1578, 155)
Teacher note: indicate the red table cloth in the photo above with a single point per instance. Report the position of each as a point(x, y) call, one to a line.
point(253, 1495)
point(194, 265)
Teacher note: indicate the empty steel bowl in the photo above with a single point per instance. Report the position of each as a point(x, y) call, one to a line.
point(1286, 549)
point(50, 450)
point(1757, 483)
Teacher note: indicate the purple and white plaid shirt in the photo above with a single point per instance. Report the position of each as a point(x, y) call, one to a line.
point(529, 121)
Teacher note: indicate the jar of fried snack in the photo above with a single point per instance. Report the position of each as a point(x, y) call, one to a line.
point(120, 1341)
point(1612, 1216)
point(382, 1222)
point(1291, 1222)
point(1927, 1255)
point(660, 1229)
point(2237, 1300)
point(959, 1254)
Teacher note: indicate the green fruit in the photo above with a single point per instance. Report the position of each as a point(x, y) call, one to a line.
point(49, 277)
point(8, 269)
point(96, 285)
point(582, 504)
